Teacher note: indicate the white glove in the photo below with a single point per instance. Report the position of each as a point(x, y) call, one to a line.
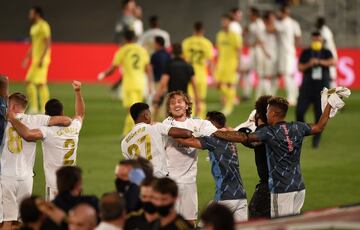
point(101, 76)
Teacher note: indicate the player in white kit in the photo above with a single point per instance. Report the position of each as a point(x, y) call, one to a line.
point(289, 34)
point(59, 144)
point(268, 81)
point(182, 160)
point(147, 140)
point(255, 40)
point(18, 156)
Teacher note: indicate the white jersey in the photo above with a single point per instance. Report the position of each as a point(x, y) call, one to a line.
point(256, 32)
point(236, 28)
point(18, 155)
point(59, 148)
point(147, 39)
point(182, 160)
point(146, 141)
point(329, 42)
point(287, 30)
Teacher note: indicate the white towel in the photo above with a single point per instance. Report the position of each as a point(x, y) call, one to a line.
point(249, 123)
point(334, 98)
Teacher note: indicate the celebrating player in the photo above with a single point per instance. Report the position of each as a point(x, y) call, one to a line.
point(18, 156)
point(134, 61)
point(230, 189)
point(36, 77)
point(228, 44)
point(182, 160)
point(146, 140)
point(59, 143)
point(198, 51)
point(283, 141)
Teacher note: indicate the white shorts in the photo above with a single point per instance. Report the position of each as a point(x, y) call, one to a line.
point(14, 191)
point(50, 193)
point(238, 207)
point(286, 64)
point(187, 202)
point(286, 204)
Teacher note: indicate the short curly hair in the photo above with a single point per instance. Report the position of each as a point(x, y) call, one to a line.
point(261, 107)
point(186, 99)
point(281, 104)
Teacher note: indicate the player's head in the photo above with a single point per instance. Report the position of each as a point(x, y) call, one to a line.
point(225, 21)
point(112, 207)
point(268, 17)
point(35, 13)
point(146, 195)
point(217, 217)
point(69, 179)
point(18, 102)
point(54, 107)
point(236, 14)
point(277, 110)
point(178, 104)
point(140, 112)
point(320, 22)
point(284, 11)
point(82, 217)
point(154, 21)
point(128, 5)
point(129, 36)
point(29, 212)
point(218, 119)
point(261, 105)
point(254, 13)
point(177, 50)
point(199, 27)
point(316, 41)
point(159, 42)
point(165, 192)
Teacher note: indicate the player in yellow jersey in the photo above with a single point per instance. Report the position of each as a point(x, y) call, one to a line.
point(36, 77)
point(134, 61)
point(198, 51)
point(229, 45)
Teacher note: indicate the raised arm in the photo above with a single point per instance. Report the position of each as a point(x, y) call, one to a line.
point(191, 142)
point(59, 121)
point(320, 125)
point(235, 136)
point(79, 101)
point(26, 133)
point(179, 133)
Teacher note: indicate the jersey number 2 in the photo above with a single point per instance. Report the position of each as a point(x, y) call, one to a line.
point(134, 148)
point(69, 143)
point(14, 142)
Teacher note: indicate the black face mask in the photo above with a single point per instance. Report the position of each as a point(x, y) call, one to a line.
point(149, 207)
point(164, 210)
point(122, 185)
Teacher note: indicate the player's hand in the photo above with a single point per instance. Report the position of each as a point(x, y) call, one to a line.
point(101, 76)
point(76, 85)
point(50, 210)
point(314, 61)
point(11, 116)
point(25, 62)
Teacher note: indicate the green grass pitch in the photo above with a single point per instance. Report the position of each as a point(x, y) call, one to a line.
point(331, 173)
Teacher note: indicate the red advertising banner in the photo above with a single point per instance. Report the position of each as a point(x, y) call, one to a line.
point(83, 61)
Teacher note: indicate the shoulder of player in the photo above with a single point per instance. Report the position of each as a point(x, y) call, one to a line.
point(135, 214)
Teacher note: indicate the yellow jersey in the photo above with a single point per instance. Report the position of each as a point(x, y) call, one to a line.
point(228, 45)
point(133, 59)
point(38, 33)
point(198, 50)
